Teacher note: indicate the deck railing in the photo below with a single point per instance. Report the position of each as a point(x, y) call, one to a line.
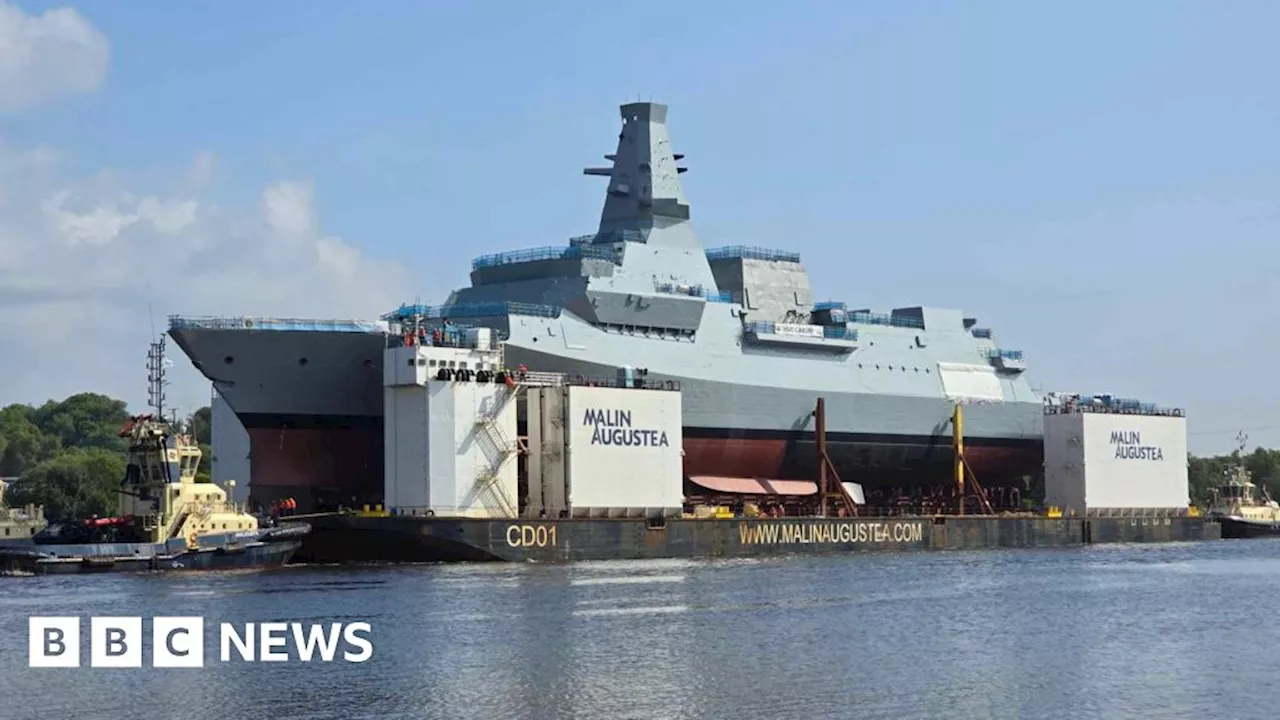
point(869, 318)
point(198, 322)
point(744, 252)
point(478, 309)
point(572, 252)
point(694, 291)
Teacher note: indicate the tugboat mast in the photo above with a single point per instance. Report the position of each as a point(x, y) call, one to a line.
point(156, 381)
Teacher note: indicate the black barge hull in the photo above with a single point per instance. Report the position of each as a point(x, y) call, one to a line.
point(354, 538)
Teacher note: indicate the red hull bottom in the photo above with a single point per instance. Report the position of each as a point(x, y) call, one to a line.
point(320, 468)
point(323, 468)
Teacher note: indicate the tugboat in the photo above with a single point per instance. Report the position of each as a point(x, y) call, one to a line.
point(168, 519)
point(19, 525)
point(1238, 509)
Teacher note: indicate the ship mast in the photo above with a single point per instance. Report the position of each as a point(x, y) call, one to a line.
point(156, 381)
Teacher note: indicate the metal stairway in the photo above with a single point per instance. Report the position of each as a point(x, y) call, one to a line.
point(498, 450)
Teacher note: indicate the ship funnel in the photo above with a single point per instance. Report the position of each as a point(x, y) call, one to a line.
point(644, 184)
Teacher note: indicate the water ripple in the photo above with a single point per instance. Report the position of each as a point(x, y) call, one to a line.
point(1142, 631)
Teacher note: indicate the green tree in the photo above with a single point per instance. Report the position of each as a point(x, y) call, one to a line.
point(75, 484)
point(204, 473)
point(84, 420)
point(1264, 469)
point(1205, 474)
point(22, 444)
point(202, 426)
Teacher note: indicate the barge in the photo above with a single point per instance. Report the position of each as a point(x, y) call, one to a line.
point(363, 538)
point(598, 474)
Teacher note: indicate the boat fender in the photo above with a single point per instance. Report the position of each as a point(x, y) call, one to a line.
point(442, 374)
point(191, 539)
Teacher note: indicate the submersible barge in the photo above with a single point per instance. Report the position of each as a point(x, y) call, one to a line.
point(355, 538)
point(462, 484)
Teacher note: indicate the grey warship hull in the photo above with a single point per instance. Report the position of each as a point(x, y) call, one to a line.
point(310, 443)
point(737, 328)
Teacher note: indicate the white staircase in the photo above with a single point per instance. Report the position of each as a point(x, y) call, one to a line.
point(498, 450)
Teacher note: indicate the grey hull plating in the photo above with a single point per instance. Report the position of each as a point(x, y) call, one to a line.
point(340, 538)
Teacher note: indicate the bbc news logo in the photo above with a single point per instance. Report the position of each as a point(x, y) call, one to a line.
point(179, 642)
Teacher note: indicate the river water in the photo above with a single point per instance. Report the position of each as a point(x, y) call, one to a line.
point(1157, 631)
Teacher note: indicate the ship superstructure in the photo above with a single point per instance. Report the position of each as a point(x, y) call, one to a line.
point(737, 327)
point(20, 524)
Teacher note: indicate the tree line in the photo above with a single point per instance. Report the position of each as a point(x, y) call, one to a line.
point(69, 457)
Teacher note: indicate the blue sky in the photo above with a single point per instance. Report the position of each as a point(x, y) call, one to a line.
point(1098, 182)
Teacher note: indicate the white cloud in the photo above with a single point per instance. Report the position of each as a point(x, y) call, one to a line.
point(47, 55)
point(83, 261)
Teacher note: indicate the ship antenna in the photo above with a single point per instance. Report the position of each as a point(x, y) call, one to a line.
point(156, 381)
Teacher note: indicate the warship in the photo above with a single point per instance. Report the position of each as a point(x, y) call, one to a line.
point(737, 327)
point(168, 518)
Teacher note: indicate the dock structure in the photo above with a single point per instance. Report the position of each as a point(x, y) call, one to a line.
point(601, 481)
point(1112, 456)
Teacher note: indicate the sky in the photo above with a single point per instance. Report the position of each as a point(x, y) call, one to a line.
point(1098, 182)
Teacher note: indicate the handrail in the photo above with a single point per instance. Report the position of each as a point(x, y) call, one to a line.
point(478, 309)
point(694, 291)
point(869, 318)
point(745, 252)
point(572, 252)
point(210, 322)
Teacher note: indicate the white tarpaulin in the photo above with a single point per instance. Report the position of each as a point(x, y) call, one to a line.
point(970, 382)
